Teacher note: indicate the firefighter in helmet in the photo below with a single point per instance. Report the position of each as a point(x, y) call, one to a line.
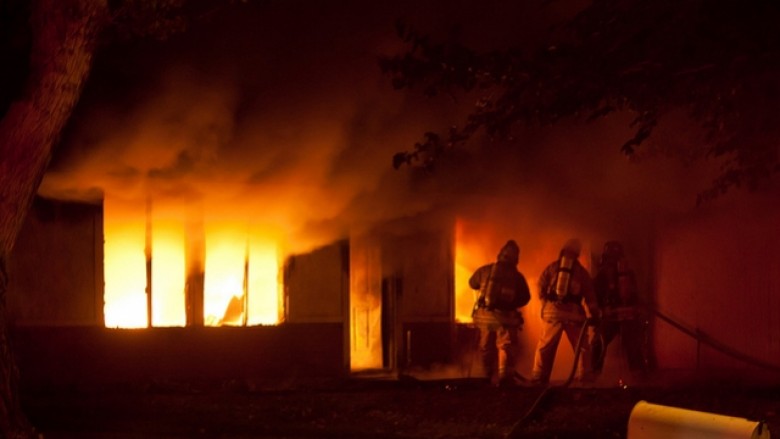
point(564, 286)
point(616, 292)
point(502, 291)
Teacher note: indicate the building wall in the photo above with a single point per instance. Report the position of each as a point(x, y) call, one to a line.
point(316, 284)
point(426, 315)
point(401, 297)
point(95, 358)
point(55, 269)
point(55, 304)
point(427, 268)
point(718, 272)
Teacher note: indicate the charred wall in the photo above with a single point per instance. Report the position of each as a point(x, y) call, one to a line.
point(316, 292)
point(427, 306)
point(418, 275)
point(316, 284)
point(55, 269)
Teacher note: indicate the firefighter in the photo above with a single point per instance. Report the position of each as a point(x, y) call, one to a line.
point(616, 292)
point(563, 287)
point(502, 291)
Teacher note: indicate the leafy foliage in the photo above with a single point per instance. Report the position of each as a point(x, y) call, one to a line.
point(139, 18)
point(159, 19)
point(716, 62)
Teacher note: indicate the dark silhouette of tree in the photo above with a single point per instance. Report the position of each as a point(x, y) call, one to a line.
point(46, 49)
point(715, 63)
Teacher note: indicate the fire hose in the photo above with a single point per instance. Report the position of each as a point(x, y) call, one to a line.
point(516, 429)
point(705, 338)
point(697, 334)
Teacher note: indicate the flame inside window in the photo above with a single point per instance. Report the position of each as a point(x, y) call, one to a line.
point(469, 255)
point(240, 271)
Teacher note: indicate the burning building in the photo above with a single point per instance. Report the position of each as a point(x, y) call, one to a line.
point(95, 301)
point(225, 208)
point(122, 286)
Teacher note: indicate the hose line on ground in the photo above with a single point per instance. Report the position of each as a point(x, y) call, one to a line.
point(696, 334)
point(514, 432)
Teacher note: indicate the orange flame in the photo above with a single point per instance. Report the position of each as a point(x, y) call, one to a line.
point(469, 255)
point(241, 270)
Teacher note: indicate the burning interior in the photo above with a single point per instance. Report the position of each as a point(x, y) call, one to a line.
point(163, 269)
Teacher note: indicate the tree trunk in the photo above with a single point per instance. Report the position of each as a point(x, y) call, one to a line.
point(63, 41)
point(13, 423)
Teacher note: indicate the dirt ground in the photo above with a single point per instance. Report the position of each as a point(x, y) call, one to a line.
point(379, 408)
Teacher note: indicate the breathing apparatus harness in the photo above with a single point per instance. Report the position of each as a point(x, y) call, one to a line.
point(495, 293)
point(558, 290)
point(483, 301)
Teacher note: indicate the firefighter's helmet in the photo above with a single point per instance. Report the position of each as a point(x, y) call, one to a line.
point(613, 251)
point(573, 247)
point(510, 252)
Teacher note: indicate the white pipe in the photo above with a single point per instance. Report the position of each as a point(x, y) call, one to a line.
point(652, 421)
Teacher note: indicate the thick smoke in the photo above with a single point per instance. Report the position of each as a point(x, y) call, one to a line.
point(278, 114)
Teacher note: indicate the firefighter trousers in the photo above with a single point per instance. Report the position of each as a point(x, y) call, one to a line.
point(631, 338)
point(552, 330)
point(497, 348)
